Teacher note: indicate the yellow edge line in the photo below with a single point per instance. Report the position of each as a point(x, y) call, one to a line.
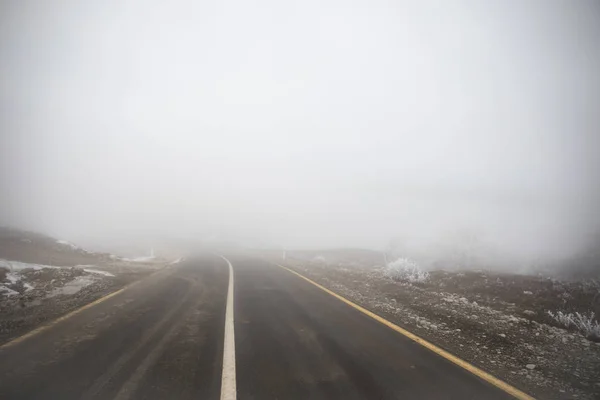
point(448, 356)
point(60, 319)
point(73, 313)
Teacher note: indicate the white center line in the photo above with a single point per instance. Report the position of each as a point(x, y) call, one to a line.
point(228, 389)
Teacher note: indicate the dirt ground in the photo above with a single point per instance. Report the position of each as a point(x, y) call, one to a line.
point(42, 278)
point(498, 322)
point(43, 294)
point(31, 247)
point(528, 296)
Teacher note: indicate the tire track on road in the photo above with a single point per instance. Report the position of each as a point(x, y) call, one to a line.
point(153, 335)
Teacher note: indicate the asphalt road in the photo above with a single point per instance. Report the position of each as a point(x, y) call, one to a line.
point(163, 338)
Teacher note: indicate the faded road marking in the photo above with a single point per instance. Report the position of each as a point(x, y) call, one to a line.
point(228, 386)
point(443, 353)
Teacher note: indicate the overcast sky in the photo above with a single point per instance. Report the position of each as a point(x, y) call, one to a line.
point(308, 123)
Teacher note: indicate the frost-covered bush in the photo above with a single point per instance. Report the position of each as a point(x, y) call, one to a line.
point(404, 269)
point(584, 323)
point(319, 260)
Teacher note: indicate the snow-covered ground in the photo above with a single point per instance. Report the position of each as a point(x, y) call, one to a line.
point(31, 293)
point(50, 277)
point(180, 259)
point(20, 277)
point(13, 277)
point(139, 259)
point(147, 258)
point(73, 286)
point(97, 271)
point(68, 244)
point(15, 266)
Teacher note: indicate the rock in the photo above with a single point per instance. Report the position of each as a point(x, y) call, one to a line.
point(529, 312)
point(530, 366)
point(527, 292)
point(502, 335)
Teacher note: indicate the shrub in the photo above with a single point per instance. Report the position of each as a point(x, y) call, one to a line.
point(582, 322)
point(404, 269)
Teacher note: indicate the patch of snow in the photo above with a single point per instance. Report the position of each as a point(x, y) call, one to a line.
point(73, 286)
point(72, 246)
point(6, 291)
point(19, 266)
point(13, 277)
point(68, 244)
point(319, 259)
point(180, 259)
point(139, 259)
point(98, 272)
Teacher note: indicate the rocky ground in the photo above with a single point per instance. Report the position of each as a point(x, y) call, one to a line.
point(42, 278)
point(498, 322)
point(35, 294)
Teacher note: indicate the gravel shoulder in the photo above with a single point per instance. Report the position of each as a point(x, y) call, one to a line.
point(42, 278)
point(33, 294)
point(497, 322)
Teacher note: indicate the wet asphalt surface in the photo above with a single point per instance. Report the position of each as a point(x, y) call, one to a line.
point(162, 338)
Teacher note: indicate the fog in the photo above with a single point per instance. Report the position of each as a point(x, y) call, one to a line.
point(307, 124)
